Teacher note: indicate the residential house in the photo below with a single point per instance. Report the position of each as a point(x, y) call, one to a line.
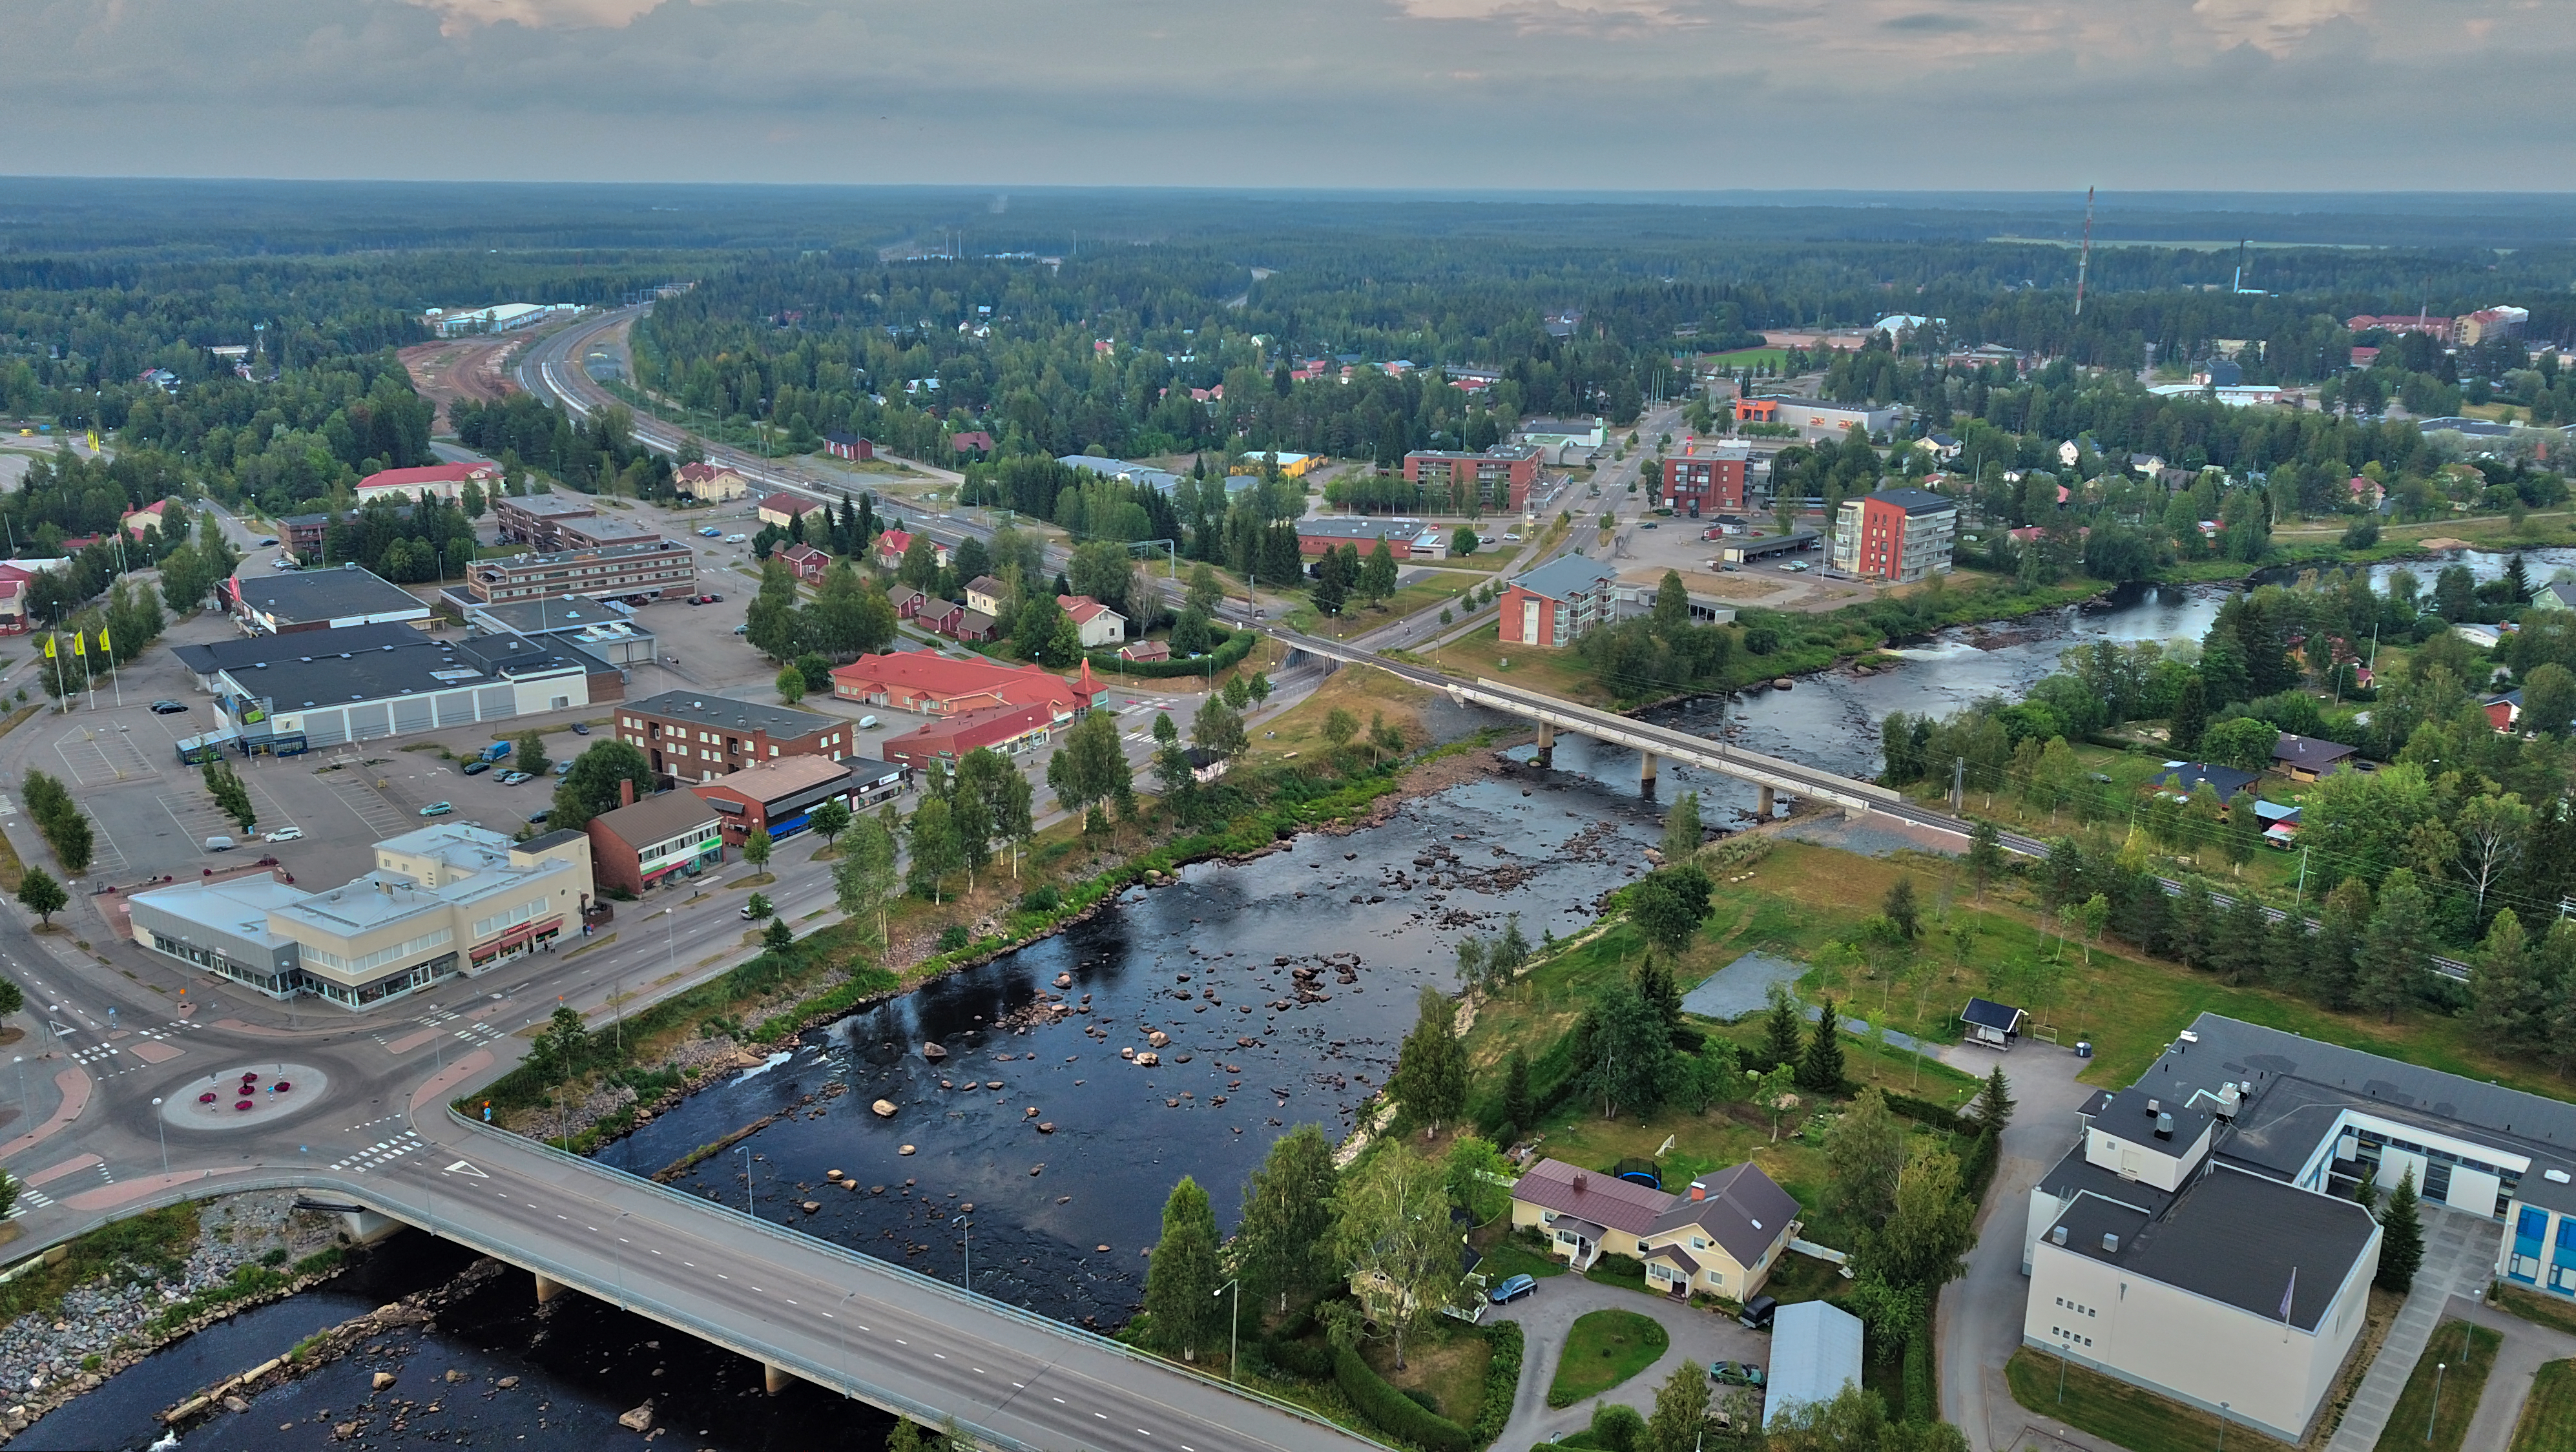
point(147, 520)
point(975, 441)
point(2185, 777)
point(1720, 1238)
point(1558, 603)
point(973, 626)
point(906, 601)
point(447, 481)
point(1145, 652)
point(849, 446)
point(805, 562)
point(986, 594)
point(783, 509)
point(2556, 595)
point(2305, 758)
point(710, 483)
point(940, 617)
point(640, 844)
point(1095, 623)
point(2503, 712)
point(891, 546)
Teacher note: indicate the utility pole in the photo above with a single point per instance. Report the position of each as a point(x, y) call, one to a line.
point(1958, 782)
point(2084, 261)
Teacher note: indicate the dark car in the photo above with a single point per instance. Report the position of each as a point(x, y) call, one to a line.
point(168, 708)
point(1512, 1290)
point(1735, 1373)
point(264, 544)
point(537, 820)
point(1758, 1313)
point(476, 767)
point(581, 728)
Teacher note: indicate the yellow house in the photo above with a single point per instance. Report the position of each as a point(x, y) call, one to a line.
point(709, 482)
point(782, 508)
point(1291, 466)
point(1722, 1237)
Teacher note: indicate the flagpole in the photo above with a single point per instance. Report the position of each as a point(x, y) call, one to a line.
point(80, 647)
point(113, 684)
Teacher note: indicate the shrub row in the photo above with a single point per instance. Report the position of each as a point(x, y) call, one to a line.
point(59, 818)
point(1502, 1382)
point(1924, 1111)
point(1395, 1413)
point(1922, 1403)
point(1228, 653)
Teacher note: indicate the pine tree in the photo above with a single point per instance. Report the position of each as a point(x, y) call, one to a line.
point(2401, 1238)
point(1821, 1069)
point(2236, 949)
point(1782, 1039)
point(2394, 947)
point(2334, 950)
point(1994, 1105)
point(1654, 983)
point(2504, 1004)
point(1518, 1106)
point(2190, 715)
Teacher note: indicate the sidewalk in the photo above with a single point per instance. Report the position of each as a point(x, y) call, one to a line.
point(2527, 1348)
point(2459, 1259)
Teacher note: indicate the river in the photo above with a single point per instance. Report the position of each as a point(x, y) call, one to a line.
point(1199, 961)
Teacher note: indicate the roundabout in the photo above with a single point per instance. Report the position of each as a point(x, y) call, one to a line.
point(251, 1096)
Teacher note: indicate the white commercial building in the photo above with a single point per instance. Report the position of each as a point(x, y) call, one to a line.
point(448, 899)
point(498, 318)
point(2202, 1240)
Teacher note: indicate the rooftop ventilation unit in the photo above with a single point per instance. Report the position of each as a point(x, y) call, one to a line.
point(2057, 1235)
point(2110, 1243)
point(2555, 1177)
point(2164, 1126)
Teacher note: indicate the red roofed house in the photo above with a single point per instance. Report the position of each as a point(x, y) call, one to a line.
point(891, 546)
point(937, 685)
point(147, 520)
point(849, 446)
point(939, 745)
point(447, 481)
point(1097, 624)
point(971, 439)
point(13, 599)
point(1145, 651)
point(2365, 491)
point(783, 509)
point(1721, 1238)
point(2438, 329)
point(710, 483)
point(805, 562)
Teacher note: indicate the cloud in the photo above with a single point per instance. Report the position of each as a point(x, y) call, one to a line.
point(2275, 27)
point(455, 17)
point(1928, 20)
point(1611, 17)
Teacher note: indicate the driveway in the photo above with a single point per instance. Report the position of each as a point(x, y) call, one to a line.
point(1980, 1316)
point(1698, 1338)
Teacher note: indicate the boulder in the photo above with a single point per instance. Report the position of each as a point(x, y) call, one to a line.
point(883, 1108)
point(1046, 1126)
point(1158, 1038)
point(933, 1052)
point(811, 1206)
point(236, 1405)
point(382, 1380)
point(1149, 1060)
point(907, 1149)
point(639, 1419)
point(507, 1382)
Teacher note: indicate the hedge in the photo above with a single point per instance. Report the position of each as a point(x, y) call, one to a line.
point(1299, 1357)
point(1978, 1170)
point(1395, 1413)
point(1502, 1382)
point(1229, 652)
point(1922, 1403)
point(1940, 1117)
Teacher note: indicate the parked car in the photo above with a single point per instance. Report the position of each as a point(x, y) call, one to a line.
point(282, 563)
point(219, 844)
point(513, 778)
point(712, 533)
point(1758, 1313)
point(1512, 1290)
point(476, 767)
point(563, 768)
point(581, 728)
point(744, 629)
point(437, 809)
point(1735, 1373)
point(168, 708)
point(710, 598)
point(537, 819)
point(268, 542)
point(284, 834)
point(736, 538)
point(867, 723)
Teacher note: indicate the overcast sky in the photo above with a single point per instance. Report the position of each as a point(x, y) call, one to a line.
point(2038, 95)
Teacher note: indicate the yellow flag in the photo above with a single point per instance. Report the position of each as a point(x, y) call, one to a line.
point(49, 647)
point(80, 644)
point(102, 641)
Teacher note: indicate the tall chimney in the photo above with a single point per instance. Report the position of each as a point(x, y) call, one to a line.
point(626, 792)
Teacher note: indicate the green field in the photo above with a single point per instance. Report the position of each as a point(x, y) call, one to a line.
point(1747, 358)
point(2549, 1418)
point(2120, 1413)
point(1604, 1349)
point(2459, 1357)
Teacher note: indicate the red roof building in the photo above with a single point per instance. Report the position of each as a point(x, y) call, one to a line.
point(805, 562)
point(783, 509)
point(939, 745)
point(892, 545)
point(974, 439)
point(447, 481)
point(147, 520)
point(937, 685)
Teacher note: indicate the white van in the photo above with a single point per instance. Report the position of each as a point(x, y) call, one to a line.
point(219, 844)
point(867, 723)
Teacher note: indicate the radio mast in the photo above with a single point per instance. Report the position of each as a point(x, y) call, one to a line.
point(2085, 259)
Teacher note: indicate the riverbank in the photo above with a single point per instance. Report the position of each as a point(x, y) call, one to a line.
point(121, 1293)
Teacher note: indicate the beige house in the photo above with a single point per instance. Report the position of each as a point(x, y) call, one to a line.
point(783, 509)
point(1094, 623)
point(1720, 1238)
point(709, 482)
point(987, 595)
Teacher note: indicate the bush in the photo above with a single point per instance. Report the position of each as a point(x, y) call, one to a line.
point(1393, 1412)
point(1041, 899)
point(952, 938)
point(1922, 1403)
point(1924, 1111)
point(1299, 1358)
point(1502, 1381)
point(1616, 1426)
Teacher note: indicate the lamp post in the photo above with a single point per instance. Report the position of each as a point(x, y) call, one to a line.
point(2436, 1414)
point(1234, 1335)
point(969, 1227)
point(162, 1125)
point(2222, 1427)
point(745, 1151)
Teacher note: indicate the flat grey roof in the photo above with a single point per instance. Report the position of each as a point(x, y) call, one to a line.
point(1362, 527)
point(316, 676)
point(545, 617)
point(712, 710)
point(1916, 501)
point(1571, 575)
point(220, 655)
point(547, 505)
point(2234, 1237)
point(325, 595)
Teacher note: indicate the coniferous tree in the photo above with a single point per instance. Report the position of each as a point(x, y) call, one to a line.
point(2505, 1006)
point(1518, 1106)
point(1782, 1039)
point(1821, 1068)
point(2394, 948)
point(2334, 950)
point(1993, 1107)
point(2401, 1238)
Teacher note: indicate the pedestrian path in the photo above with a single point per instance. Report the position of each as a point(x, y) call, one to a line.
point(2459, 1260)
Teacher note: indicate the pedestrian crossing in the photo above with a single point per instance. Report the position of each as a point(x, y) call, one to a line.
point(383, 1152)
point(29, 1198)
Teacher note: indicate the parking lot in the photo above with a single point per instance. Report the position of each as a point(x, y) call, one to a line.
point(1675, 544)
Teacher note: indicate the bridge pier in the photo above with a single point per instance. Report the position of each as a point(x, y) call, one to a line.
point(1767, 805)
point(547, 1287)
point(1646, 769)
point(366, 1227)
point(1546, 744)
point(774, 1378)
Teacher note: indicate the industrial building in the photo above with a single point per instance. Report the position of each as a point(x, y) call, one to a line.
point(288, 693)
point(498, 318)
point(443, 900)
point(447, 481)
point(1816, 417)
point(320, 600)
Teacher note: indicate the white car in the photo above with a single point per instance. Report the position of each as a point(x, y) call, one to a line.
point(736, 538)
point(283, 834)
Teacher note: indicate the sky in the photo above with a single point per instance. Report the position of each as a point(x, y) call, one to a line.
point(2023, 95)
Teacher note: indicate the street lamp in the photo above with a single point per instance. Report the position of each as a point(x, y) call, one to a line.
point(2438, 1368)
point(969, 1226)
point(1234, 1336)
point(164, 1126)
point(745, 1151)
point(2222, 1427)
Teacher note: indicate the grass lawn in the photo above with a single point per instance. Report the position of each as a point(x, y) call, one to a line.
point(1359, 619)
point(2120, 1413)
point(1507, 1258)
point(1604, 1349)
point(1448, 1364)
point(1532, 667)
point(1618, 1270)
point(2461, 1383)
point(2555, 1312)
point(1357, 689)
point(2549, 1418)
point(1747, 358)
